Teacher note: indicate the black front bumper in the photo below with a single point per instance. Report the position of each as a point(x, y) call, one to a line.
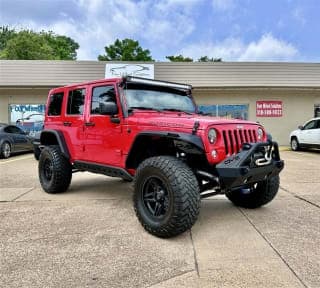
point(254, 163)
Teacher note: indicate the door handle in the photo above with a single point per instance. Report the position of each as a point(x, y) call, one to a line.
point(67, 123)
point(89, 124)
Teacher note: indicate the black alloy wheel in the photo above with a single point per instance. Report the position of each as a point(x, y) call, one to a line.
point(155, 197)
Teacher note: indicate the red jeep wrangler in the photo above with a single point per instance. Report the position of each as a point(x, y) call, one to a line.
point(151, 132)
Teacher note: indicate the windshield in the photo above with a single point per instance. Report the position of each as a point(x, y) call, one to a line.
point(159, 100)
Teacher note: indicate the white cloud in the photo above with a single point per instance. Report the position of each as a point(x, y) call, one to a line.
point(267, 48)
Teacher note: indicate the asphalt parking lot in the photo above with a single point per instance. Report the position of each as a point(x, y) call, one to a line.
point(90, 237)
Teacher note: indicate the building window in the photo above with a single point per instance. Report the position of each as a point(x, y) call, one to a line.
point(28, 117)
point(317, 110)
point(76, 102)
point(55, 104)
point(236, 111)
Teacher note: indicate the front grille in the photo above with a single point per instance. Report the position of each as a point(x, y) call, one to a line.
point(233, 139)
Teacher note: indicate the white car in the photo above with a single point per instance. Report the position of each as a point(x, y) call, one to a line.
point(307, 136)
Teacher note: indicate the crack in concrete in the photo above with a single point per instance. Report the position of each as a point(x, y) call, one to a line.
point(299, 197)
point(176, 276)
point(194, 255)
point(272, 247)
point(23, 194)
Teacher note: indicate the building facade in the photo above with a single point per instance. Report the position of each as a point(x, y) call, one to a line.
point(280, 96)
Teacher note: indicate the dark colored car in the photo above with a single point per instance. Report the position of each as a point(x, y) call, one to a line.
point(12, 140)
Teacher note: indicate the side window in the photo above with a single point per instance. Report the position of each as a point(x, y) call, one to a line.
point(310, 125)
point(102, 94)
point(13, 130)
point(8, 129)
point(76, 102)
point(55, 104)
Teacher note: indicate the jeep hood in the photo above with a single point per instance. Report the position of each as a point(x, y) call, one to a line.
point(185, 121)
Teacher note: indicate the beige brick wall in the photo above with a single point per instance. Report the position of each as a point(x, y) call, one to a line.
point(298, 106)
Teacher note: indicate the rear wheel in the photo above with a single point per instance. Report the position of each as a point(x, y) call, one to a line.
point(55, 171)
point(294, 144)
point(5, 150)
point(166, 196)
point(255, 195)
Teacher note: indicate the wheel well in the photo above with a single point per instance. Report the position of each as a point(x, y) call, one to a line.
point(48, 138)
point(146, 146)
point(294, 137)
point(53, 137)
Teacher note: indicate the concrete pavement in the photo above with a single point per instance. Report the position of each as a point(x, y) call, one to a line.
point(90, 237)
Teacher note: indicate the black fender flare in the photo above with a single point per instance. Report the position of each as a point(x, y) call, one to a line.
point(186, 142)
point(55, 137)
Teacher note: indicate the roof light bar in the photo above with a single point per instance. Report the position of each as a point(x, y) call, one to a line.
point(145, 81)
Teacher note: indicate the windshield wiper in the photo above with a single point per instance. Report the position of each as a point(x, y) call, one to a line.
point(143, 108)
point(176, 110)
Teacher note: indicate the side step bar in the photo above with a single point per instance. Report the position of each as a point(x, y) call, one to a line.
point(102, 169)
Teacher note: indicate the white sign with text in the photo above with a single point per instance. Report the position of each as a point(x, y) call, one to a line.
point(135, 69)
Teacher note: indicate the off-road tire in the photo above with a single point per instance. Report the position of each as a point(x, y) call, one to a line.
point(55, 171)
point(294, 144)
point(183, 196)
point(260, 195)
point(5, 150)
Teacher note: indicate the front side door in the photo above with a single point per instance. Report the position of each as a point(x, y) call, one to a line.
point(307, 134)
point(19, 139)
point(316, 133)
point(102, 142)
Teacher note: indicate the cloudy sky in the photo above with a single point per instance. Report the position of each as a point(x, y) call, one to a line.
point(234, 30)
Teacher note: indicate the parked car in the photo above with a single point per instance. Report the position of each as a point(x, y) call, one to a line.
point(13, 139)
point(306, 136)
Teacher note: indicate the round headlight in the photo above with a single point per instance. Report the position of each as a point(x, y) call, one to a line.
point(260, 133)
point(212, 135)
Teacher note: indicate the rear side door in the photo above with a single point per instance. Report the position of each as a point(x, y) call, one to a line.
point(73, 119)
point(103, 133)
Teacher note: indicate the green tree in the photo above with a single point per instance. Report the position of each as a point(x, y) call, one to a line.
point(179, 58)
point(207, 59)
point(30, 45)
point(125, 50)
point(6, 33)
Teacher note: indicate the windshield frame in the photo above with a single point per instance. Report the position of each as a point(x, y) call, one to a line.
point(155, 88)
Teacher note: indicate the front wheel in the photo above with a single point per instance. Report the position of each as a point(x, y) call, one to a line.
point(55, 171)
point(255, 195)
point(294, 144)
point(166, 196)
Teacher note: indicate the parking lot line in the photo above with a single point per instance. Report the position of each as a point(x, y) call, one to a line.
point(17, 159)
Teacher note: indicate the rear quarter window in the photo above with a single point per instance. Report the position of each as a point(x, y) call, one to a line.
point(55, 104)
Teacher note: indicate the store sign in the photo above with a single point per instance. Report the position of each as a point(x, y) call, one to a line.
point(121, 70)
point(269, 108)
point(29, 118)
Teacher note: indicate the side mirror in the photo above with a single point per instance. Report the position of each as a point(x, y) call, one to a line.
point(300, 127)
point(108, 108)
